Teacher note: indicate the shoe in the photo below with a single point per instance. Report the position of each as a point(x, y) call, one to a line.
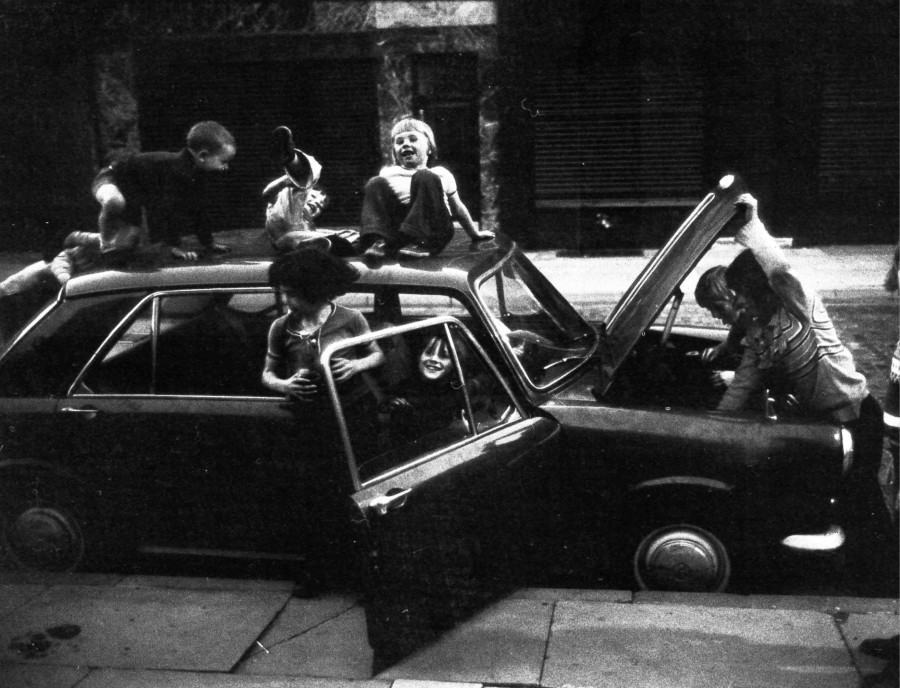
point(282, 146)
point(414, 251)
point(321, 243)
point(377, 251)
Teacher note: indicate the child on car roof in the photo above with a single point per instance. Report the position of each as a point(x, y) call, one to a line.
point(409, 207)
point(168, 187)
point(292, 201)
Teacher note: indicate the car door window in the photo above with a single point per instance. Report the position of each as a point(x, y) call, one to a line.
point(441, 393)
point(209, 342)
point(46, 359)
point(431, 305)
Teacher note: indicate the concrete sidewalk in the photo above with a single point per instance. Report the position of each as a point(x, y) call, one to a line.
point(106, 631)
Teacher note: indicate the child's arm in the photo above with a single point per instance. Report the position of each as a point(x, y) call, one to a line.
point(773, 260)
point(300, 385)
point(731, 344)
point(459, 211)
point(345, 368)
point(746, 383)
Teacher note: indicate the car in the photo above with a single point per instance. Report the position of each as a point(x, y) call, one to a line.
point(134, 418)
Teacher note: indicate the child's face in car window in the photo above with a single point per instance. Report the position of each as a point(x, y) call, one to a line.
point(435, 362)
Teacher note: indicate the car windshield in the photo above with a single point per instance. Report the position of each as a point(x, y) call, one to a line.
point(545, 335)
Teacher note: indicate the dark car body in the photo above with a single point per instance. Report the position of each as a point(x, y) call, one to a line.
point(132, 415)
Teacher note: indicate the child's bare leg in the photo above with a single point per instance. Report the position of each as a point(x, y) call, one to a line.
point(112, 209)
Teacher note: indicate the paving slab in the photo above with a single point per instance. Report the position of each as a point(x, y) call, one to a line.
point(504, 643)
point(40, 676)
point(14, 596)
point(827, 604)
point(669, 646)
point(859, 627)
point(321, 639)
point(138, 627)
point(572, 594)
point(407, 683)
point(118, 678)
point(302, 615)
point(205, 583)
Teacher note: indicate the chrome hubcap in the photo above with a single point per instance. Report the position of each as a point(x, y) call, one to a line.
point(682, 558)
point(45, 538)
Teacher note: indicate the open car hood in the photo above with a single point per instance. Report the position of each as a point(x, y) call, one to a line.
point(646, 297)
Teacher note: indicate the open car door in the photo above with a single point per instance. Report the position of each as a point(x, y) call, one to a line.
point(452, 488)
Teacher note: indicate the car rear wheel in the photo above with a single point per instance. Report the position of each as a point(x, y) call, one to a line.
point(40, 523)
point(683, 558)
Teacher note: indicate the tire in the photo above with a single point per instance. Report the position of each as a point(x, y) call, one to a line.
point(41, 521)
point(683, 558)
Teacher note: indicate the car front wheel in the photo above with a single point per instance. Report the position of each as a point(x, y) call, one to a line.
point(40, 525)
point(683, 558)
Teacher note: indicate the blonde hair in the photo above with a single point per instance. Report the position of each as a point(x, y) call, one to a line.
point(413, 124)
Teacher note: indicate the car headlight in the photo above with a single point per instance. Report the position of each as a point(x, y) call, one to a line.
point(847, 447)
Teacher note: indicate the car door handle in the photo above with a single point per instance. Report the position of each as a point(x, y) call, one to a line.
point(387, 502)
point(88, 411)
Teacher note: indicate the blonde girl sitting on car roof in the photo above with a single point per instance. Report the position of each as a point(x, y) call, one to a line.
point(409, 208)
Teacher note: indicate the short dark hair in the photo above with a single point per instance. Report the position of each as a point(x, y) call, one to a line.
point(209, 136)
point(747, 278)
point(712, 286)
point(315, 275)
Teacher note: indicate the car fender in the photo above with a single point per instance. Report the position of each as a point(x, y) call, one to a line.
point(62, 471)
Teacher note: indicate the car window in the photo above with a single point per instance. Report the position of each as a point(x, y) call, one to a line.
point(209, 342)
point(431, 305)
point(45, 361)
point(546, 336)
point(424, 402)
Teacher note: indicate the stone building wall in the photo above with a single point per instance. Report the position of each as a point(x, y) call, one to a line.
point(393, 31)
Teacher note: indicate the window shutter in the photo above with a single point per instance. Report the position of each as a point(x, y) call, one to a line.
point(859, 132)
point(617, 138)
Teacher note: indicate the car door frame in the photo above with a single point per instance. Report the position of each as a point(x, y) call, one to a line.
point(401, 619)
point(174, 411)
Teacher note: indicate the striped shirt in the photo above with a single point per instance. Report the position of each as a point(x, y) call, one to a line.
point(798, 347)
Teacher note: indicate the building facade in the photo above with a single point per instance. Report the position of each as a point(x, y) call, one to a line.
point(568, 123)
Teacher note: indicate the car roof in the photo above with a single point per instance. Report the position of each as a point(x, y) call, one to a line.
point(455, 265)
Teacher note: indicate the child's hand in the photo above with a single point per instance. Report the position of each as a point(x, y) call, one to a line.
point(304, 384)
point(343, 369)
point(481, 234)
point(184, 255)
point(748, 204)
point(711, 353)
